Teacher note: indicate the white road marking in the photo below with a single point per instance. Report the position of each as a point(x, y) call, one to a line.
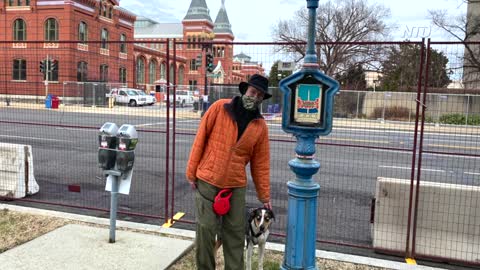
point(409, 168)
point(34, 138)
point(471, 173)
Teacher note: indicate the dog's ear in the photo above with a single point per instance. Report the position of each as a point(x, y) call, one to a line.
point(271, 213)
point(251, 214)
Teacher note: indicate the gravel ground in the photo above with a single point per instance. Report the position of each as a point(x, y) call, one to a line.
point(18, 228)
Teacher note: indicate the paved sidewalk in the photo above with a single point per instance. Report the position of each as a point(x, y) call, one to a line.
point(85, 247)
point(75, 247)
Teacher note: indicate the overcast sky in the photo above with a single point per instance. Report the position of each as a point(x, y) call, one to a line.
point(252, 20)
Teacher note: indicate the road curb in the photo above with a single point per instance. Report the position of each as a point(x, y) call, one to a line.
point(191, 234)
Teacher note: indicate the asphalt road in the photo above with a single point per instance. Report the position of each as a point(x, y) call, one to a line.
point(65, 153)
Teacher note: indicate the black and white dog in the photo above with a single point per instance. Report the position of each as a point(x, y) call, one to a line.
point(256, 233)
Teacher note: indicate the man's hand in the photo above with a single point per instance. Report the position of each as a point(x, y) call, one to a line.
point(268, 205)
point(193, 184)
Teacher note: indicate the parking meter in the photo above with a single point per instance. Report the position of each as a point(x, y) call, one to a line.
point(107, 140)
point(127, 141)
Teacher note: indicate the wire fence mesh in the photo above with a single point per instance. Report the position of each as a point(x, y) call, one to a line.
point(380, 130)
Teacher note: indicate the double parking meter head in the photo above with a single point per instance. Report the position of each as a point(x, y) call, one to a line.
point(107, 140)
point(127, 141)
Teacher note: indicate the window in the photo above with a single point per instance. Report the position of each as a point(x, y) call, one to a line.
point(192, 85)
point(104, 39)
point(19, 30)
point(19, 70)
point(152, 72)
point(181, 72)
point(82, 71)
point(189, 45)
point(51, 30)
point(103, 73)
point(193, 64)
point(123, 44)
point(172, 70)
point(110, 12)
point(163, 70)
point(141, 70)
point(82, 32)
point(122, 75)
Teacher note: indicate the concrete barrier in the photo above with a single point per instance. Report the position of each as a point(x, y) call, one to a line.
point(448, 219)
point(16, 171)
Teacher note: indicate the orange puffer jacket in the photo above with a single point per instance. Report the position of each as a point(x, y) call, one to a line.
point(220, 160)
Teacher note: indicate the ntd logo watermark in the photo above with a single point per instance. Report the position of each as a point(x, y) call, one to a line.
point(417, 31)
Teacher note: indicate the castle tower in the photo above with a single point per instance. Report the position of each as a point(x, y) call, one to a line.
point(223, 52)
point(197, 27)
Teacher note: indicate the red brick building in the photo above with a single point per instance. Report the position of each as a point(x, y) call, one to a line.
point(98, 41)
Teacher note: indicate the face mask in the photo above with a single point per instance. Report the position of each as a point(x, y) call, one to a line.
point(250, 103)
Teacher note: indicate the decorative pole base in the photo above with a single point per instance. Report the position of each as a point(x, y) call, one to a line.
point(302, 216)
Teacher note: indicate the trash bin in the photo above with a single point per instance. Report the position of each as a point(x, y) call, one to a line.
point(55, 102)
point(48, 101)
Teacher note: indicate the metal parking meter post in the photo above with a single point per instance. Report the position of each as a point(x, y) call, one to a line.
point(116, 157)
point(307, 113)
point(113, 205)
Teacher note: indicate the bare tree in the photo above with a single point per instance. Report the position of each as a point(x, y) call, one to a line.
point(465, 28)
point(337, 21)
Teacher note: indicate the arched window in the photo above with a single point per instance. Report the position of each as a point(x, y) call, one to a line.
point(104, 39)
point(172, 69)
point(152, 72)
point(51, 30)
point(82, 32)
point(163, 71)
point(123, 44)
point(141, 70)
point(82, 71)
point(110, 12)
point(19, 30)
point(19, 70)
point(104, 73)
point(181, 73)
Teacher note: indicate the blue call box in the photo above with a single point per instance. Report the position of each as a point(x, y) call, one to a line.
point(308, 102)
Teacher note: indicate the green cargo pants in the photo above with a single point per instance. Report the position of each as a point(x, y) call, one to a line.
point(231, 227)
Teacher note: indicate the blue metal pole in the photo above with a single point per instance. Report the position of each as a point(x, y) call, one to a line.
point(303, 191)
point(311, 56)
point(302, 207)
point(113, 208)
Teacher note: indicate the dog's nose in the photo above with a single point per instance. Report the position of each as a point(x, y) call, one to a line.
point(262, 228)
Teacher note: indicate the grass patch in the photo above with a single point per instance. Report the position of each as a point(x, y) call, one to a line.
point(18, 228)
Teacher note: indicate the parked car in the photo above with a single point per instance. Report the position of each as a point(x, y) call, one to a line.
point(150, 100)
point(128, 96)
point(183, 98)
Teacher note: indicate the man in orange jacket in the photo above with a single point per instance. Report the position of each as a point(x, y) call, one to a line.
point(232, 134)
